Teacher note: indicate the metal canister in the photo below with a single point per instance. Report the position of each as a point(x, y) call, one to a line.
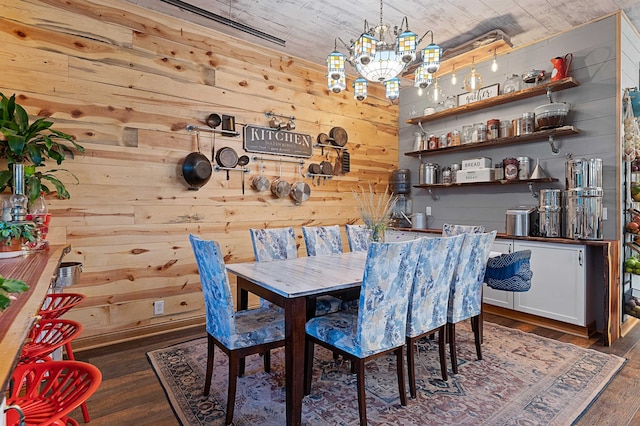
point(524, 170)
point(510, 168)
point(528, 123)
point(428, 173)
point(516, 123)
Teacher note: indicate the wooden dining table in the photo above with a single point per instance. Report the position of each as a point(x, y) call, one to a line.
point(294, 284)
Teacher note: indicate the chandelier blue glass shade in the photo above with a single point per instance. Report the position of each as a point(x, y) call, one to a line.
point(379, 61)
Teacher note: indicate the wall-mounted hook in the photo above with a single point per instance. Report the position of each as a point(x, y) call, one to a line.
point(534, 194)
point(554, 149)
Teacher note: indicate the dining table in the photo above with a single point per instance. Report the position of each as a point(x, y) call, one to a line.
point(293, 284)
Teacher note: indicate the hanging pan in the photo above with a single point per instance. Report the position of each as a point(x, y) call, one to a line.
point(260, 183)
point(227, 157)
point(196, 168)
point(339, 136)
point(300, 191)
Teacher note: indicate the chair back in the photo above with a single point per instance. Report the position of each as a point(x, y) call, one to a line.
point(358, 236)
point(429, 297)
point(384, 295)
point(46, 336)
point(465, 297)
point(322, 240)
point(449, 230)
point(57, 304)
point(48, 391)
point(220, 321)
point(273, 244)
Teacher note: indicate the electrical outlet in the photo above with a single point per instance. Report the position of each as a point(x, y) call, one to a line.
point(604, 213)
point(428, 210)
point(158, 307)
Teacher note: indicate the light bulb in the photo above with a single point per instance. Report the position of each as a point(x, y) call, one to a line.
point(473, 81)
point(494, 64)
point(435, 93)
point(454, 78)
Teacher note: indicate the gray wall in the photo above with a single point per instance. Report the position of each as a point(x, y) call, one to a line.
point(593, 112)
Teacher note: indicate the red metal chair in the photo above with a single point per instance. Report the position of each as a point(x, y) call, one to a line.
point(57, 304)
point(47, 391)
point(48, 335)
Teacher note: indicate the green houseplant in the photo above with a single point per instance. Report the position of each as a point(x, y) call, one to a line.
point(7, 286)
point(13, 234)
point(32, 144)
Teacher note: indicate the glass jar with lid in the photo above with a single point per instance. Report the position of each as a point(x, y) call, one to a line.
point(451, 102)
point(512, 84)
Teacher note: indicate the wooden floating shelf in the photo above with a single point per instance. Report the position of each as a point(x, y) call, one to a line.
point(492, 182)
point(535, 136)
point(529, 92)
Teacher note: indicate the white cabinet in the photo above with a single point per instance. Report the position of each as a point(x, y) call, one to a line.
point(558, 287)
point(500, 298)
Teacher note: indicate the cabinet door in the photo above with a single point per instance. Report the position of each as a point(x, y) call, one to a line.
point(498, 297)
point(558, 286)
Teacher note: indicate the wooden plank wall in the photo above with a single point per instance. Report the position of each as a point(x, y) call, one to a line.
point(125, 81)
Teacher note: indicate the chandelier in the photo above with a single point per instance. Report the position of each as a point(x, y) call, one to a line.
point(381, 61)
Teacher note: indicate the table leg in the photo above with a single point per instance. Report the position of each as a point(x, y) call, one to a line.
point(295, 320)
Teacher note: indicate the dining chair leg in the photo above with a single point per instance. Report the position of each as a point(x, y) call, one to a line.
point(402, 386)
point(451, 334)
point(441, 348)
point(477, 335)
point(308, 366)
point(266, 358)
point(362, 400)
point(210, 350)
point(231, 396)
point(411, 367)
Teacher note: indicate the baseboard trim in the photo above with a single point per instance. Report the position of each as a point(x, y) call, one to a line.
point(576, 330)
point(107, 339)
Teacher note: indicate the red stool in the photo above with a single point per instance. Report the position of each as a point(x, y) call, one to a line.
point(57, 304)
point(47, 391)
point(48, 335)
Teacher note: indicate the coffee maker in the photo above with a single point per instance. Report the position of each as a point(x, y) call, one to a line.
point(400, 186)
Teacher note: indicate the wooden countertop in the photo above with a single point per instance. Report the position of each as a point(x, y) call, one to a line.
point(38, 270)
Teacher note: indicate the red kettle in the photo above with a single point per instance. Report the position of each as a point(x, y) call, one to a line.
point(561, 67)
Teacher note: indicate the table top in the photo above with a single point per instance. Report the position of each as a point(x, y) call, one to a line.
point(305, 276)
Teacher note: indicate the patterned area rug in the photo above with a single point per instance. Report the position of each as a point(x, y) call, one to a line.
point(523, 379)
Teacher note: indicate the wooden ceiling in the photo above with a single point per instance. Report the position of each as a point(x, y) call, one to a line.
point(309, 28)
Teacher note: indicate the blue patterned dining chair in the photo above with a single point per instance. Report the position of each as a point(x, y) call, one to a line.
point(465, 297)
point(379, 325)
point(429, 298)
point(322, 240)
point(449, 230)
point(237, 334)
point(358, 237)
point(280, 244)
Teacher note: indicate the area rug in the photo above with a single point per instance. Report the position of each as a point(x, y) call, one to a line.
point(523, 379)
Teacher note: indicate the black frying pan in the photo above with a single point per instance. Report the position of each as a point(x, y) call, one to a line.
point(196, 168)
point(227, 157)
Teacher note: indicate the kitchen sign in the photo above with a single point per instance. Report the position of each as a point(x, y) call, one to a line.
point(265, 140)
point(478, 95)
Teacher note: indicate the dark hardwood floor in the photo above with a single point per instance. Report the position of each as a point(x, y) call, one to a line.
point(130, 393)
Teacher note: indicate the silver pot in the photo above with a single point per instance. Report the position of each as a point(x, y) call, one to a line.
point(300, 192)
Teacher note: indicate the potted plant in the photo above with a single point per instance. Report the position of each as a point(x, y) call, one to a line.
point(31, 144)
point(7, 286)
point(14, 234)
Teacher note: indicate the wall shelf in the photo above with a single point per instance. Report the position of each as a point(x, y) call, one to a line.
point(529, 92)
point(492, 182)
point(535, 136)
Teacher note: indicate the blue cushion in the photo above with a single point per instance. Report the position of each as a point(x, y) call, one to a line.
point(509, 271)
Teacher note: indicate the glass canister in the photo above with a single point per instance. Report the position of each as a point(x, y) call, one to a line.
point(528, 124)
point(451, 102)
point(442, 141)
point(512, 84)
point(455, 137)
point(433, 142)
point(446, 175)
point(498, 171)
point(480, 132)
point(506, 129)
point(510, 168)
point(467, 133)
point(516, 123)
point(524, 169)
point(454, 172)
point(493, 128)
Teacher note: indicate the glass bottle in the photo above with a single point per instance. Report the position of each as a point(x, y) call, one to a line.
point(39, 213)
